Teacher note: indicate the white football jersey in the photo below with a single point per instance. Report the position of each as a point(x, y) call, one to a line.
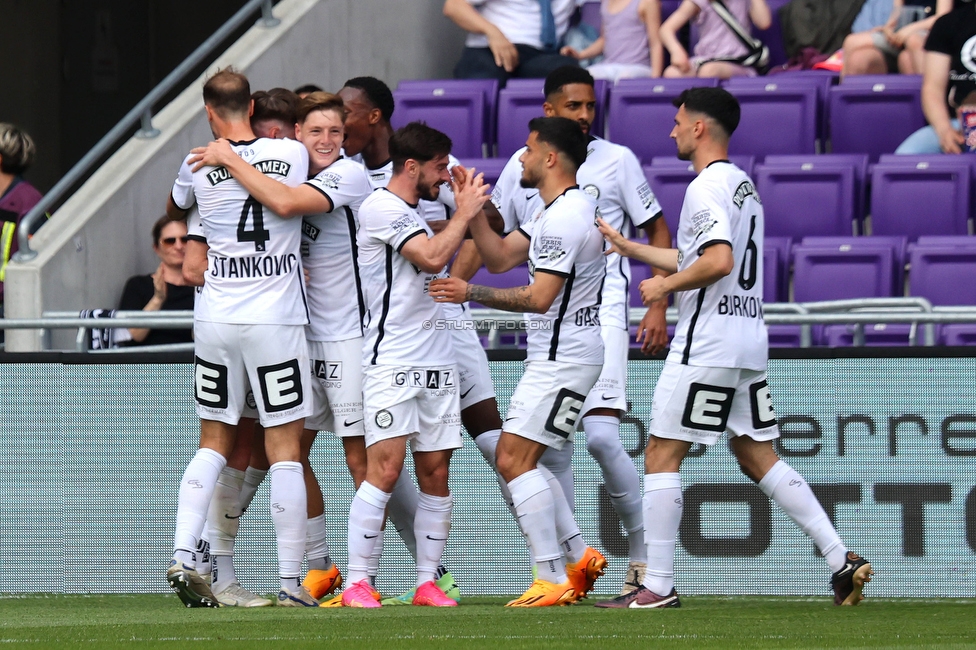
point(721, 325)
point(564, 240)
point(401, 317)
point(610, 174)
point(254, 270)
point(329, 252)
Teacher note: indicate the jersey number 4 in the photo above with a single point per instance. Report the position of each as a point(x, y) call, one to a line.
point(258, 234)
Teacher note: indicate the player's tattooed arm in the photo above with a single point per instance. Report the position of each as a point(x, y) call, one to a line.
point(534, 298)
point(514, 299)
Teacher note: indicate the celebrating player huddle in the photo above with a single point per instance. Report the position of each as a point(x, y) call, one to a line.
point(321, 275)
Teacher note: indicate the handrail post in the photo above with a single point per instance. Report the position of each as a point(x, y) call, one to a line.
point(148, 131)
point(267, 17)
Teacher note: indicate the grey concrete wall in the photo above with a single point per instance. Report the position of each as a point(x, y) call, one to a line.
point(99, 237)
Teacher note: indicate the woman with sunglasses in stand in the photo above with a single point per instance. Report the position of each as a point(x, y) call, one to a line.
point(164, 289)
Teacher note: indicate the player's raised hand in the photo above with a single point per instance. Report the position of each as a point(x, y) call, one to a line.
point(653, 289)
point(618, 243)
point(470, 191)
point(214, 154)
point(448, 290)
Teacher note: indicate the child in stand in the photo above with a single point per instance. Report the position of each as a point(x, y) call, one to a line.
point(628, 41)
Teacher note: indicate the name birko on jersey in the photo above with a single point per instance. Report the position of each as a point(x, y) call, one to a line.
point(744, 306)
point(253, 266)
point(279, 167)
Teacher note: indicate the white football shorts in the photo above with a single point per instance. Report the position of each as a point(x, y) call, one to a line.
point(610, 390)
point(337, 387)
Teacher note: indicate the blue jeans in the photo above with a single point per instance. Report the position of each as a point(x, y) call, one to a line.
point(479, 63)
point(923, 141)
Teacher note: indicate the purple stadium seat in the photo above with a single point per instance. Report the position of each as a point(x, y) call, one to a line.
point(875, 335)
point(805, 199)
point(641, 114)
point(939, 161)
point(822, 84)
point(881, 82)
point(897, 244)
point(856, 160)
point(776, 119)
point(840, 272)
point(460, 114)
point(441, 87)
point(490, 167)
point(944, 274)
point(638, 273)
point(745, 163)
point(914, 199)
point(946, 240)
point(873, 118)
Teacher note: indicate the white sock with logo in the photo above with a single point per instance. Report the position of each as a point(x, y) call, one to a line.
point(567, 530)
point(289, 514)
point(791, 493)
point(560, 463)
point(534, 505)
point(402, 510)
point(366, 515)
point(196, 489)
point(620, 477)
point(252, 480)
point(224, 522)
point(433, 524)
point(316, 545)
point(663, 505)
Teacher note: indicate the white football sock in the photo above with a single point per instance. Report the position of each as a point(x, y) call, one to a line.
point(375, 557)
point(567, 530)
point(533, 503)
point(252, 480)
point(402, 510)
point(222, 573)
point(487, 442)
point(663, 504)
point(366, 515)
point(620, 477)
point(791, 493)
point(316, 544)
point(433, 524)
point(223, 517)
point(196, 489)
point(560, 463)
point(289, 514)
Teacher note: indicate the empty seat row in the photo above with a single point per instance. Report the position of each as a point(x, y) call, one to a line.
point(790, 113)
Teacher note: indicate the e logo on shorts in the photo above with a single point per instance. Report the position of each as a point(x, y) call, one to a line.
point(384, 419)
point(707, 407)
point(281, 386)
point(564, 413)
point(763, 415)
point(210, 381)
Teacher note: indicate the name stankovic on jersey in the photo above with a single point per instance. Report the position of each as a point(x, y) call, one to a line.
point(253, 266)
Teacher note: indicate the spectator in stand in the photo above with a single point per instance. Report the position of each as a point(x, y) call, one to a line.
point(949, 80)
point(899, 44)
point(511, 38)
point(163, 290)
point(718, 49)
point(628, 40)
point(17, 196)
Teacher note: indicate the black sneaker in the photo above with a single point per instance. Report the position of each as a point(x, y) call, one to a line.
point(641, 598)
point(849, 581)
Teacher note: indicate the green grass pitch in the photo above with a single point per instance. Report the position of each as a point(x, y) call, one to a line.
point(154, 621)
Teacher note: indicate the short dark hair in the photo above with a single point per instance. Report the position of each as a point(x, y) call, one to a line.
point(16, 149)
point(562, 134)
point(162, 222)
point(307, 89)
point(320, 101)
point(419, 142)
point(228, 93)
point(275, 104)
point(565, 75)
point(716, 103)
point(377, 93)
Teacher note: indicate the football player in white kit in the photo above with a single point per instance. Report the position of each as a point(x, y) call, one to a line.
point(410, 385)
point(253, 294)
point(714, 379)
point(612, 175)
point(564, 356)
point(330, 199)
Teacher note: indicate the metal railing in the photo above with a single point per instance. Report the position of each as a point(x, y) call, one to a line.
point(142, 112)
point(494, 323)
